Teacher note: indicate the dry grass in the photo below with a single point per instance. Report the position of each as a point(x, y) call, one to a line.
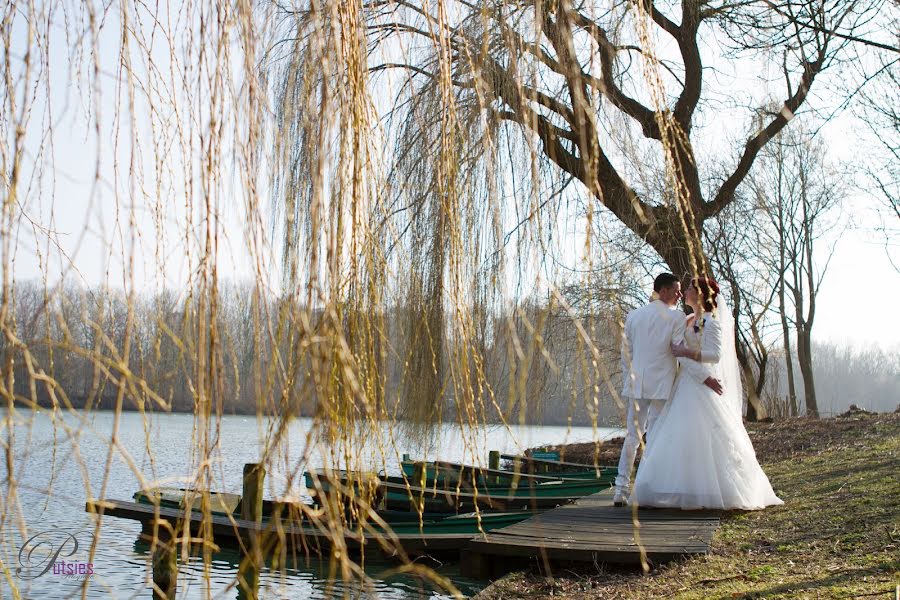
point(837, 536)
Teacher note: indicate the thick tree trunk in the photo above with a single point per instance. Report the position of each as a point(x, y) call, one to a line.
point(763, 366)
point(685, 259)
point(755, 408)
point(788, 357)
point(671, 242)
point(804, 357)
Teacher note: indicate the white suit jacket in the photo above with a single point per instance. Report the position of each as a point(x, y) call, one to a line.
point(648, 366)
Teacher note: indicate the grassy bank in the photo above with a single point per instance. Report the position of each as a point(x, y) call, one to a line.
point(837, 536)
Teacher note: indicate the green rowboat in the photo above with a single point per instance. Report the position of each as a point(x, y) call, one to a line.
point(544, 466)
point(399, 522)
point(519, 487)
point(441, 471)
point(398, 493)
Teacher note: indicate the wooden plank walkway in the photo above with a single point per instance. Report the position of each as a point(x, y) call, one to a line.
point(592, 530)
point(298, 538)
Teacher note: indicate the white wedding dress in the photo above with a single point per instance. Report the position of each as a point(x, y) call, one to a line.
point(698, 454)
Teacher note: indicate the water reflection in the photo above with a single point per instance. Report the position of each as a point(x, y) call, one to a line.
point(308, 577)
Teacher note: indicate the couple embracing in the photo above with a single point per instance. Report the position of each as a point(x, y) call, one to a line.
point(682, 387)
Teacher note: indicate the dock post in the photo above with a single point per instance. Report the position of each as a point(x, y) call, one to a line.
point(494, 463)
point(164, 563)
point(248, 579)
point(251, 510)
point(252, 493)
point(405, 457)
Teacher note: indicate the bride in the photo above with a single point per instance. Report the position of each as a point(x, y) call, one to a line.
point(699, 455)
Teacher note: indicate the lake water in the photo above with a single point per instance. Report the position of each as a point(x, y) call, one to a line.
point(59, 463)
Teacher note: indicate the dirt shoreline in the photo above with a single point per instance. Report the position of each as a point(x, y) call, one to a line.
point(772, 440)
point(837, 536)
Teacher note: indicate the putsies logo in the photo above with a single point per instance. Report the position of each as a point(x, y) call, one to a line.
point(52, 553)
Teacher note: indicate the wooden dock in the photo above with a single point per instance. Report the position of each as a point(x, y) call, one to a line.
point(591, 530)
point(301, 539)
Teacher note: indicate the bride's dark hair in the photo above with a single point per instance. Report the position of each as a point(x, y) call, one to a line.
point(708, 289)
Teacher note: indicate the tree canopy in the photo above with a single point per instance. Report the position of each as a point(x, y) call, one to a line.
point(484, 114)
point(599, 91)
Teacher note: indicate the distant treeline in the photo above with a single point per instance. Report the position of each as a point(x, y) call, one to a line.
point(868, 377)
point(530, 364)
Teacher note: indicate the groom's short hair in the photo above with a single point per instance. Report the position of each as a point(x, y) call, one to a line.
point(664, 280)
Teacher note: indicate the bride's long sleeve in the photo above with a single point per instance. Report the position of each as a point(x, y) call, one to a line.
point(710, 353)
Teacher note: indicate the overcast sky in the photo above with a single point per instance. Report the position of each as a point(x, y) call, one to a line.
point(95, 227)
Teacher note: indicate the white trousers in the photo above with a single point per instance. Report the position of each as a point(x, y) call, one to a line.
point(642, 413)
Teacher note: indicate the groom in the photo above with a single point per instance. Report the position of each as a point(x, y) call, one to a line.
point(648, 369)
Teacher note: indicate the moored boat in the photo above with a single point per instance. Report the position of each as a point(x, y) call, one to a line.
point(442, 471)
point(399, 493)
point(399, 521)
point(517, 486)
point(546, 466)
